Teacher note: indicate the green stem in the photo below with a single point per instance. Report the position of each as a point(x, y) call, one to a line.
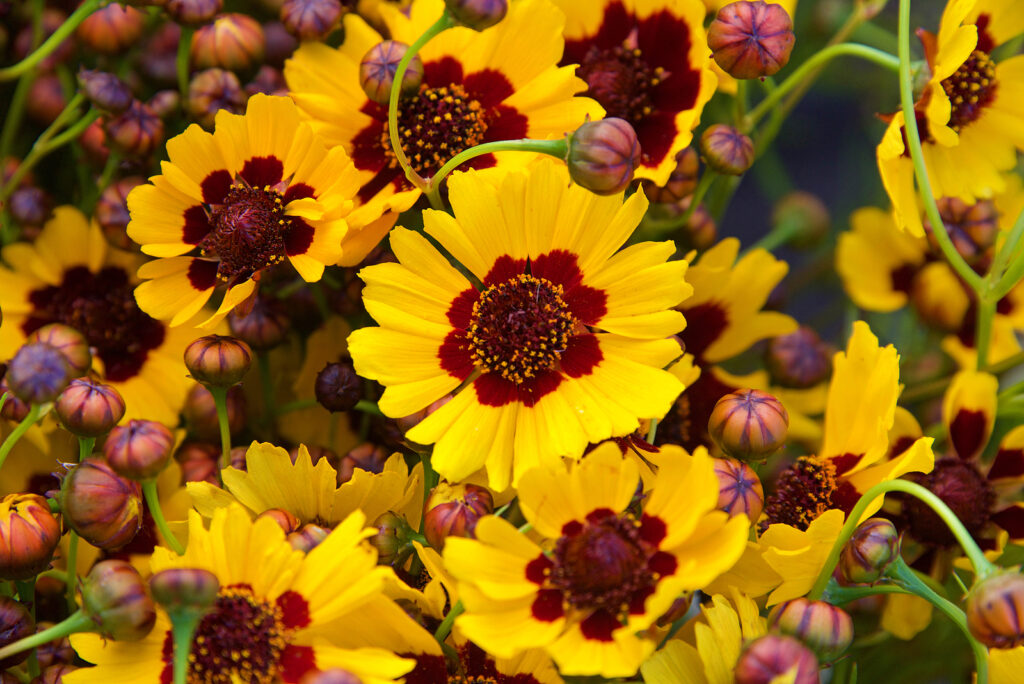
point(85, 445)
point(15, 112)
point(27, 595)
point(153, 502)
point(838, 595)
point(182, 62)
point(366, 406)
point(267, 386)
point(220, 400)
point(445, 627)
point(983, 331)
point(183, 629)
point(51, 43)
point(3, 400)
point(779, 235)
point(1010, 245)
point(706, 179)
point(74, 623)
point(35, 412)
point(71, 581)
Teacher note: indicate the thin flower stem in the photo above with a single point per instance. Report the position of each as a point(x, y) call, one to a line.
point(839, 595)
point(73, 624)
point(366, 406)
point(182, 62)
point(703, 185)
point(3, 400)
point(220, 400)
point(446, 625)
point(153, 501)
point(69, 111)
point(35, 412)
point(27, 594)
point(53, 42)
point(778, 236)
point(183, 629)
point(15, 112)
point(85, 445)
point(1010, 245)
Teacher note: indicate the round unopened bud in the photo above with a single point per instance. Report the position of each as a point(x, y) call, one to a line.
point(995, 610)
point(377, 71)
point(477, 14)
point(333, 676)
point(199, 462)
point(88, 408)
point(286, 520)
point(69, 342)
point(105, 90)
point(184, 588)
point(139, 450)
point(233, 41)
point(875, 544)
point(264, 326)
point(112, 211)
point(390, 536)
point(973, 228)
point(54, 674)
point(751, 39)
point(58, 651)
point(16, 623)
point(136, 132)
point(212, 90)
point(453, 511)
point(726, 150)
point(103, 507)
point(237, 458)
point(115, 597)
point(111, 29)
point(165, 102)
point(201, 412)
point(310, 19)
point(93, 142)
point(739, 488)
point(218, 360)
point(308, 537)
point(28, 535)
point(38, 373)
point(603, 155)
point(803, 216)
point(749, 424)
point(367, 456)
point(25, 41)
point(337, 387)
point(825, 629)
point(681, 182)
point(773, 655)
point(799, 359)
point(193, 12)
point(30, 207)
point(14, 409)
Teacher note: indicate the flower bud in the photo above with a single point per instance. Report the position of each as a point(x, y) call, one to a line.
point(165, 102)
point(14, 409)
point(28, 535)
point(105, 91)
point(799, 359)
point(477, 14)
point(193, 12)
point(102, 506)
point(16, 623)
point(237, 457)
point(310, 19)
point(88, 408)
point(158, 58)
point(93, 142)
point(337, 387)
point(806, 215)
point(308, 537)
point(973, 228)
point(995, 610)
point(58, 651)
point(390, 536)
point(201, 412)
point(726, 150)
point(136, 132)
point(115, 597)
point(233, 41)
point(377, 71)
point(739, 488)
point(875, 544)
point(681, 182)
point(199, 462)
point(825, 629)
point(112, 211)
point(45, 99)
point(264, 326)
point(30, 206)
point(367, 456)
point(284, 519)
point(212, 90)
point(751, 39)
point(453, 511)
point(54, 674)
point(280, 44)
point(218, 360)
point(749, 424)
point(38, 373)
point(773, 655)
point(333, 676)
point(111, 29)
point(69, 342)
point(139, 450)
point(603, 155)
point(184, 588)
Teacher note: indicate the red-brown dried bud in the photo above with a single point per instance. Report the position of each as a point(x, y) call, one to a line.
point(390, 536)
point(16, 623)
point(218, 360)
point(772, 655)
point(158, 57)
point(963, 488)
point(111, 29)
point(136, 132)
point(995, 610)
point(28, 535)
point(749, 424)
point(973, 228)
point(115, 597)
point(45, 99)
point(185, 589)
point(310, 19)
point(24, 42)
point(739, 488)
point(477, 14)
point(237, 458)
point(804, 217)
point(280, 44)
point(875, 544)
point(30, 206)
point(308, 537)
point(69, 342)
point(14, 409)
point(333, 676)
point(726, 150)
point(212, 90)
point(337, 386)
point(366, 456)
point(93, 142)
point(603, 155)
point(751, 39)
point(139, 450)
point(681, 182)
point(105, 90)
point(102, 506)
point(825, 629)
point(199, 462)
point(165, 102)
point(38, 373)
point(112, 211)
point(264, 326)
point(377, 71)
point(453, 511)
point(286, 520)
point(799, 359)
point(54, 652)
point(201, 412)
point(88, 408)
point(193, 12)
point(233, 41)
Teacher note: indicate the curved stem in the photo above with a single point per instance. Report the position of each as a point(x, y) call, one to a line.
point(183, 628)
point(53, 42)
point(446, 626)
point(778, 236)
point(1010, 245)
point(182, 61)
point(35, 412)
point(220, 400)
point(74, 623)
point(697, 197)
point(153, 502)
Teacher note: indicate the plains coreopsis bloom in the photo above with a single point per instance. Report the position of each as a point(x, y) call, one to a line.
point(262, 188)
point(604, 572)
point(266, 623)
point(558, 340)
point(501, 84)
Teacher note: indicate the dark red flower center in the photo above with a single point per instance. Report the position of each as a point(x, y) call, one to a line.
point(248, 231)
point(102, 307)
point(803, 491)
point(520, 327)
point(970, 89)
point(972, 227)
point(621, 80)
point(961, 487)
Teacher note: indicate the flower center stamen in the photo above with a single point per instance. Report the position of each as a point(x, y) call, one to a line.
point(248, 231)
point(961, 487)
point(803, 492)
point(621, 80)
point(970, 89)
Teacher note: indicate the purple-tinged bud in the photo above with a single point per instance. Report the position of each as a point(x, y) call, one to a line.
point(136, 132)
point(269, 81)
point(367, 456)
point(681, 182)
point(773, 655)
point(114, 595)
point(311, 19)
point(14, 409)
point(201, 412)
point(54, 652)
point(28, 536)
point(337, 386)
point(799, 359)
point(218, 360)
point(804, 216)
point(973, 228)
point(158, 57)
point(45, 99)
point(69, 342)
point(477, 14)
point(390, 536)
point(749, 424)
point(105, 90)
point(111, 29)
point(875, 544)
point(193, 12)
point(54, 674)
point(16, 623)
point(603, 156)
point(212, 90)
point(263, 326)
point(751, 39)
point(308, 537)
point(112, 211)
point(995, 610)
point(739, 488)
point(199, 462)
point(139, 450)
point(88, 408)
point(184, 588)
point(38, 373)
point(24, 42)
point(377, 71)
point(286, 520)
point(30, 206)
point(700, 230)
point(237, 458)
point(726, 150)
point(825, 629)
point(233, 41)
point(93, 142)
point(165, 103)
point(280, 44)
point(453, 511)
point(102, 506)
point(333, 676)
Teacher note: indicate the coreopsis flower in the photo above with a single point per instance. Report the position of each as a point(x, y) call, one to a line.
point(559, 348)
point(501, 84)
point(969, 115)
point(647, 63)
point(260, 189)
point(603, 572)
point(267, 622)
point(71, 275)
